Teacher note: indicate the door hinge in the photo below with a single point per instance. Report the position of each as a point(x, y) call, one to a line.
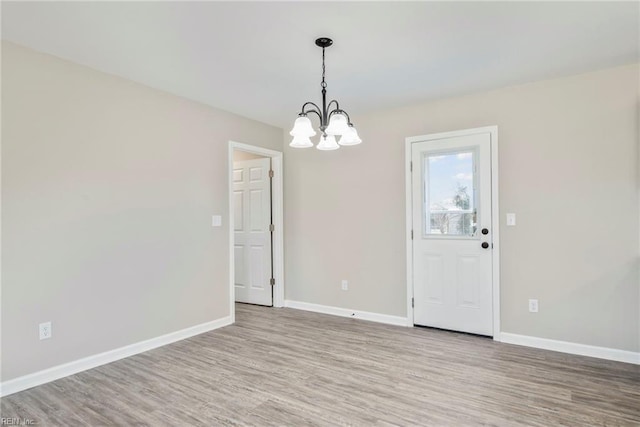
point(411, 302)
point(411, 234)
point(272, 281)
point(272, 228)
point(271, 173)
point(410, 166)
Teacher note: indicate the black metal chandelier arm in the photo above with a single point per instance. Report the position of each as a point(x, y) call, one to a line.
point(317, 109)
point(317, 113)
point(332, 102)
point(348, 118)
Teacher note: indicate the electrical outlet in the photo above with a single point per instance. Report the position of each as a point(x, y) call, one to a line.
point(533, 305)
point(345, 285)
point(45, 330)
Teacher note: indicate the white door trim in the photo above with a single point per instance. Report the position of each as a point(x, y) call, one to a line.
point(278, 222)
point(495, 217)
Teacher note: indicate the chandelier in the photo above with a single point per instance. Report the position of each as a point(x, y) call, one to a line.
point(333, 123)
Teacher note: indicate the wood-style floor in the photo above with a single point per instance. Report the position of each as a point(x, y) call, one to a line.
point(293, 368)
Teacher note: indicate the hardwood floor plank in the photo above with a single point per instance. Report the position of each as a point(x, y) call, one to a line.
point(284, 367)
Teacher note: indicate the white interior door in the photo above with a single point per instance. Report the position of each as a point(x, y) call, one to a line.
point(452, 236)
point(252, 234)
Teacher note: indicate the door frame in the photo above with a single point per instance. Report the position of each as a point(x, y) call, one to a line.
point(277, 201)
point(495, 216)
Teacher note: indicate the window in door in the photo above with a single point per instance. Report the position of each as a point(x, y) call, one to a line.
point(450, 202)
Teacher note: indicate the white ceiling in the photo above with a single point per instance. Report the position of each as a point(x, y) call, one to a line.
point(259, 60)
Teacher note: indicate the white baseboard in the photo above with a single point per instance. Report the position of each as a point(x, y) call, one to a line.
point(344, 312)
point(572, 348)
point(51, 374)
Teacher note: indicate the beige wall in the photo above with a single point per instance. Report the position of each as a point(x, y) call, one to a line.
point(108, 188)
point(568, 168)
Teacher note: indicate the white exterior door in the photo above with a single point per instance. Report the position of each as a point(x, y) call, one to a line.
point(452, 236)
point(252, 237)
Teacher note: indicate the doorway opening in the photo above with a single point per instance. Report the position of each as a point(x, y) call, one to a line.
point(452, 231)
point(256, 262)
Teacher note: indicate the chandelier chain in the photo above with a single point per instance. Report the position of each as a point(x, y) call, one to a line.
point(323, 84)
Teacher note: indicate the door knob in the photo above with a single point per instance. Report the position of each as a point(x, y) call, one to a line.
point(484, 245)
point(485, 231)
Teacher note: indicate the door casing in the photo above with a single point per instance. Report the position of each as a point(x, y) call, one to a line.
point(495, 216)
point(277, 197)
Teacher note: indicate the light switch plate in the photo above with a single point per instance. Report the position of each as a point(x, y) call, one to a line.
point(216, 221)
point(511, 219)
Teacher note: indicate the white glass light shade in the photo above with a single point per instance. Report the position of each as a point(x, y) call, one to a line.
point(351, 137)
point(338, 125)
point(327, 143)
point(302, 127)
point(301, 142)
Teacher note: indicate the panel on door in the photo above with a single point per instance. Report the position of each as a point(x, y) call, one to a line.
point(252, 234)
point(451, 193)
